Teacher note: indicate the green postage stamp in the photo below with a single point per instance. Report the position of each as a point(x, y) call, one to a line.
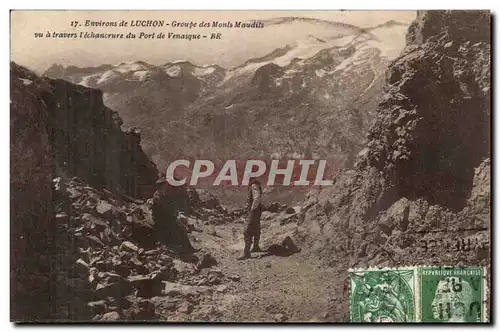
point(418, 294)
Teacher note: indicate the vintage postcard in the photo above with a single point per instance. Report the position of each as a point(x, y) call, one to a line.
point(250, 166)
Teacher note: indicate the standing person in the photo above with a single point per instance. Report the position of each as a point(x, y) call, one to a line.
point(252, 228)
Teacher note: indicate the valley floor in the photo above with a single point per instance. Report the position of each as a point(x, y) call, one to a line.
point(264, 288)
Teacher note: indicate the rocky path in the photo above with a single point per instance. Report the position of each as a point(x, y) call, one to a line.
point(268, 288)
point(121, 270)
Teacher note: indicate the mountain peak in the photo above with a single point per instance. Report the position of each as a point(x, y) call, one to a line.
point(133, 63)
point(55, 70)
point(183, 62)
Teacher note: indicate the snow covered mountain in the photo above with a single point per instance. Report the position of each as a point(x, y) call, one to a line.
point(313, 95)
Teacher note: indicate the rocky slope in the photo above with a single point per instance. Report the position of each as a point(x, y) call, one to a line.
point(420, 192)
point(85, 242)
point(118, 258)
point(59, 129)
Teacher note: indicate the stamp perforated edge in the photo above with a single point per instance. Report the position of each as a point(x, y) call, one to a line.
point(485, 295)
point(374, 268)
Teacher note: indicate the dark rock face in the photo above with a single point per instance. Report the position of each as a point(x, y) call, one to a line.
point(30, 187)
point(263, 76)
point(59, 129)
point(420, 191)
point(89, 143)
point(87, 140)
point(59, 70)
point(464, 26)
point(165, 209)
point(207, 200)
point(433, 125)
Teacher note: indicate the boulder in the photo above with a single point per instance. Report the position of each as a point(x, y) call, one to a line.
point(98, 307)
point(127, 245)
point(110, 316)
point(104, 208)
point(207, 200)
point(206, 261)
point(234, 277)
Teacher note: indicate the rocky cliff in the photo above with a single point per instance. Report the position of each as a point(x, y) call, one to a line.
point(419, 193)
point(60, 129)
point(30, 184)
point(86, 136)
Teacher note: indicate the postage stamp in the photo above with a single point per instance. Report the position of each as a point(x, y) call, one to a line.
point(383, 295)
point(452, 294)
point(418, 294)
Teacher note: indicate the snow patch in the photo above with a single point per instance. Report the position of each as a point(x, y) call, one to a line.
point(248, 69)
point(353, 60)
point(173, 71)
point(320, 72)
point(25, 81)
point(343, 41)
point(392, 40)
point(141, 74)
point(302, 49)
point(125, 68)
point(203, 71)
point(89, 80)
point(107, 76)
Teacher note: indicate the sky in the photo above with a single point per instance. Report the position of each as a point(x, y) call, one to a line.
point(235, 47)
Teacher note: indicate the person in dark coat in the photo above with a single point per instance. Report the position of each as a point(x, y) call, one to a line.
point(252, 227)
point(166, 203)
